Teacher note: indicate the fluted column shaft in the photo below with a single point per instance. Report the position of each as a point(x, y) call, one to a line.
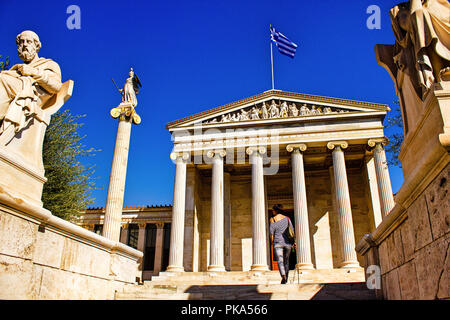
point(383, 179)
point(259, 242)
point(178, 213)
point(216, 257)
point(344, 208)
point(116, 189)
point(300, 207)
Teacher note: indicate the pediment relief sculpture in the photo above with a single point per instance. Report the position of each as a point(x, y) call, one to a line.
point(273, 110)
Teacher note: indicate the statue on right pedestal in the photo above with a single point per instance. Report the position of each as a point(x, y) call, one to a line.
point(420, 56)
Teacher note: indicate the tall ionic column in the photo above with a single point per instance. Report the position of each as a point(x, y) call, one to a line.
point(178, 210)
point(216, 247)
point(300, 207)
point(344, 208)
point(383, 179)
point(116, 189)
point(259, 243)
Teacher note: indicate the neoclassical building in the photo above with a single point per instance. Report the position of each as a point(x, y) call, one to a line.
point(322, 158)
point(145, 228)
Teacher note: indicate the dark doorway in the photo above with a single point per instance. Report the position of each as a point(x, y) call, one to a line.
point(293, 257)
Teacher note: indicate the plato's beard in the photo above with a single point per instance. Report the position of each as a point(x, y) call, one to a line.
point(26, 54)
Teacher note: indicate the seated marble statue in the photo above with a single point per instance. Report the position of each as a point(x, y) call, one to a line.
point(26, 88)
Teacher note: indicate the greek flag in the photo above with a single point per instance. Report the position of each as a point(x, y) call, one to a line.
point(285, 46)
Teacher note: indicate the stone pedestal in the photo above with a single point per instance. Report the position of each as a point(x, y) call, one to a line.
point(411, 245)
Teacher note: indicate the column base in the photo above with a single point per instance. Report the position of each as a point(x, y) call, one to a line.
point(304, 266)
point(216, 269)
point(175, 269)
point(349, 265)
point(259, 267)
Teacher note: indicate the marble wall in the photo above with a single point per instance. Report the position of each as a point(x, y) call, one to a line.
point(53, 259)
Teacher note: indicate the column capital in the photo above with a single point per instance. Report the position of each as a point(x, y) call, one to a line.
point(125, 110)
point(296, 147)
point(159, 225)
point(125, 225)
point(142, 225)
point(216, 152)
point(180, 154)
point(260, 150)
point(373, 143)
point(333, 144)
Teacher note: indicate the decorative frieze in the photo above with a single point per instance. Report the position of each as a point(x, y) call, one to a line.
point(274, 110)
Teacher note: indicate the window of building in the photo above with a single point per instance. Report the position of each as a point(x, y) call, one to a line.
point(150, 247)
point(98, 228)
point(133, 235)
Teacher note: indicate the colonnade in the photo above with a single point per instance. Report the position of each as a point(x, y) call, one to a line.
point(259, 235)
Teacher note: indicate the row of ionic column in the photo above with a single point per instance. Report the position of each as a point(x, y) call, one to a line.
point(259, 240)
point(216, 258)
point(342, 195)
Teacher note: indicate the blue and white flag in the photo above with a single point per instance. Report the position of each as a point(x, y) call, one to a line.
point(285, 46)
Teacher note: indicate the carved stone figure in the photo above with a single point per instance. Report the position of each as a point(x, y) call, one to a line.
point(420, 56)
point(293, 111)
point(254, 113)
point(225, 118)
point(264, 112)
point(315, 111)
point(274, 112)
point(129, 101)
point(327, 110)
point(30, 93)
point(284, 110)
point(131, 88)
point(304, 111)
point(244, 115)
point(26, 89)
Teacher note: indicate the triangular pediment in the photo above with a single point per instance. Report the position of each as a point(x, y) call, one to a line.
point(275, 106)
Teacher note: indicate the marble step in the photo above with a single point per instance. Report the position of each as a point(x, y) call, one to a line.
point(270, 277)
point(333, 291)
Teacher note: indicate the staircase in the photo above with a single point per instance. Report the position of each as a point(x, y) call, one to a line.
point(333, 284)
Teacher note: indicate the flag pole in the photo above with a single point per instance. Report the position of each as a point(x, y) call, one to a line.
point(271, 58)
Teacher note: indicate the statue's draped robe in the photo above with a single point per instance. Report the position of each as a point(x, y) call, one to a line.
point(425, 48)
point(22, 98)
point(129, 94)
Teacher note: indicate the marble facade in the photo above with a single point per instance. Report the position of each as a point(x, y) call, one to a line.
point(325, 167)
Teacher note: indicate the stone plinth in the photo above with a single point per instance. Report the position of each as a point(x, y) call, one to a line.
point(45, 257)
point(411, 245)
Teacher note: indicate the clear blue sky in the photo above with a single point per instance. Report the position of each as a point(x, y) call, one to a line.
point(192, 56)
